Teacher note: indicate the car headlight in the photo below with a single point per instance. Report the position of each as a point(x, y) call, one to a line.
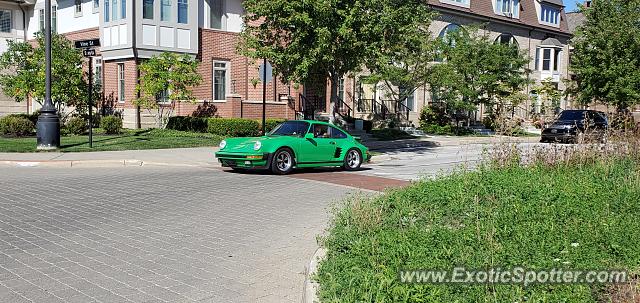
point(223, 143)
point(257, 145)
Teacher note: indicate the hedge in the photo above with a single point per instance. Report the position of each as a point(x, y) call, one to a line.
point(233, 127)
point(191, 124)
point(16, 125)
point(272, 123)
point(111, 124)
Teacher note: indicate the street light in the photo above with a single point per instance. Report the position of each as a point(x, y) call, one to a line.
point(48, 126)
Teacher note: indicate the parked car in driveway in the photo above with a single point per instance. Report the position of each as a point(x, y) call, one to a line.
point(575, 125)
point(294, 144)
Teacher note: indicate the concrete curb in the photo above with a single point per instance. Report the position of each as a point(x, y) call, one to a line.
point(98, 163)
point(310, 289)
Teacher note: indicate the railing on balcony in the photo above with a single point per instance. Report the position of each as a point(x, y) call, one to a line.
point(309, 105)
point(364, 105)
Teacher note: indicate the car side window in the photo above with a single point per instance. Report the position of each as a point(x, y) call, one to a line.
point(320, 131)
point(336, 133)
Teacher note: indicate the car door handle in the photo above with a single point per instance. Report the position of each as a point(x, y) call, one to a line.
point(332, 142)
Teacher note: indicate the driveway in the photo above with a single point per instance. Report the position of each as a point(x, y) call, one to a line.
point(146, 234)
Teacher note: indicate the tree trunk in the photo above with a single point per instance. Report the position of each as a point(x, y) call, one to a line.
point(334, 97)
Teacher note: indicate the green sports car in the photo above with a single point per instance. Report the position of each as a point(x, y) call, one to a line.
point(294, 144)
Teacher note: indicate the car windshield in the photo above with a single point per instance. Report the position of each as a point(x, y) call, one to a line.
point(571, 115)
point(290, 128)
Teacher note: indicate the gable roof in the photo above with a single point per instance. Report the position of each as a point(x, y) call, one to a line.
point(528, 15)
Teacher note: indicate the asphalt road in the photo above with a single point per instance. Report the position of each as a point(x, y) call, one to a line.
point(147, 234)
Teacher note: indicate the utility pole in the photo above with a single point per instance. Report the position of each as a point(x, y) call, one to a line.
point(48, 126)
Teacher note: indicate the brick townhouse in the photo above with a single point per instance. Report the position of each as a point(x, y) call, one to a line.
point(131, 31)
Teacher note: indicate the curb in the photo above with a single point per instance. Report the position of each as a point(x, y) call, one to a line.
point(97, 163)
point(310, 289)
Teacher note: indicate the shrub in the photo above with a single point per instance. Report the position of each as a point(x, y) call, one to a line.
point(434, 115)
point(272, 123)
point(387, 134)
point(538, 217)
point(186, 123)
point(111, 125)
point(76, 126)
point(15, 125)
point(233, 127)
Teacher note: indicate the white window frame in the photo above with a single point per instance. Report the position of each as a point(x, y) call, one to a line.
point(513, 10)
point(550, 9)
point(54, 19)
point(95, 4)
point(223, 16)
point(462, 3)
point(153, 16)
point(97, 70)
point(166, 101)
point(168, 18)
point(77, 8)
point(178, 4)
point(121, 82)
point(227, 78)
point(10, 21)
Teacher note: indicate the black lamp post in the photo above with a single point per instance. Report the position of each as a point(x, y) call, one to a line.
point(48, 126)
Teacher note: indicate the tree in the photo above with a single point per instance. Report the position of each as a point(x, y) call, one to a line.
point(165, 80)
point(22, 74)
point(605, 58)
point(474, 69)
point(549, 96)
point(303, 39)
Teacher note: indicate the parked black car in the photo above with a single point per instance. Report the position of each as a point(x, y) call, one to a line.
point(572, 125)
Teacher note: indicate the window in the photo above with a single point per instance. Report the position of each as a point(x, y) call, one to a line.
point(537, 61)
point(97, 71)
point(163, 96)
point(509, 8)
point(546, 59)
point(54, 19)
point(121, 86)
point(336, 133)
point(215, 14)
point(220, 80)
point(508, 39)
point(165, 10)
point(183, 14)
point(321, 131)
point(147, 9)
point(78, 7)
point(5, 21)
point(341, 88)
point(106, 10)
point(123, 9)
point(114, 10)
point(96, 5)
point(550, 15)
point(408, 99)
point(463, 3)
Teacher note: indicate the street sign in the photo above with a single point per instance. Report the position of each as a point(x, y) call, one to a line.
point(89, 52)
point(87, 43)
point(266, 73)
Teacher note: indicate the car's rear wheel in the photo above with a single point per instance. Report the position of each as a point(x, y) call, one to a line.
point(352, 160)
point(282, 161)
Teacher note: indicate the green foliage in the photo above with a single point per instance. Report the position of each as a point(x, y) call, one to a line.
point(388, 134)
point(76, 126)
point(32, 117)
point(605, 56)
point(549, 96)
point(23, 73)
point(111, 124)
point(434, 114)
point(272, 123)
point(476, 70)
point(233, 127)
point(17, 126)
point(508, 217)
point(307, 40)
point(171, 76)
point(186, 123)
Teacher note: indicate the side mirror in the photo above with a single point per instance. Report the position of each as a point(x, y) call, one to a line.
point(308, 136)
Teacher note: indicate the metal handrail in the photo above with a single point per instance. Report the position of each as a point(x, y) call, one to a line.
point(340, 107)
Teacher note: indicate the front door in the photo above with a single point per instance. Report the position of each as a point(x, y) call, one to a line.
point(320, 148)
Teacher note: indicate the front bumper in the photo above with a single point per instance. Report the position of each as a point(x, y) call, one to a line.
point(244, 160)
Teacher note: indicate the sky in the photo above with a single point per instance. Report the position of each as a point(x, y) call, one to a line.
point(571, 5)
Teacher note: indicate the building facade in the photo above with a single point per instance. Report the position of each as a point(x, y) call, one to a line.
point(132, 31)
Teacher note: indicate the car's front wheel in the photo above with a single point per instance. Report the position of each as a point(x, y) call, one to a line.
point(282, 161)
point(352, 160)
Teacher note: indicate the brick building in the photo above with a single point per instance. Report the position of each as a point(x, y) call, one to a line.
point(132, 31)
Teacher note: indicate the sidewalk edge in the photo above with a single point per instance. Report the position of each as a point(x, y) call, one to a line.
point(310, 289)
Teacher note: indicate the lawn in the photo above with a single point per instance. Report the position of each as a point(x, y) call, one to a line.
point(128, 140)
point(567, 216)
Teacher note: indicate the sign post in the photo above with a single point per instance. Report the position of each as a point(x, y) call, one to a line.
point(89, 52)
point(266, 74)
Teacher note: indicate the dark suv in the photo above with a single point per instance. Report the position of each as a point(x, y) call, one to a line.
point(571, 125)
